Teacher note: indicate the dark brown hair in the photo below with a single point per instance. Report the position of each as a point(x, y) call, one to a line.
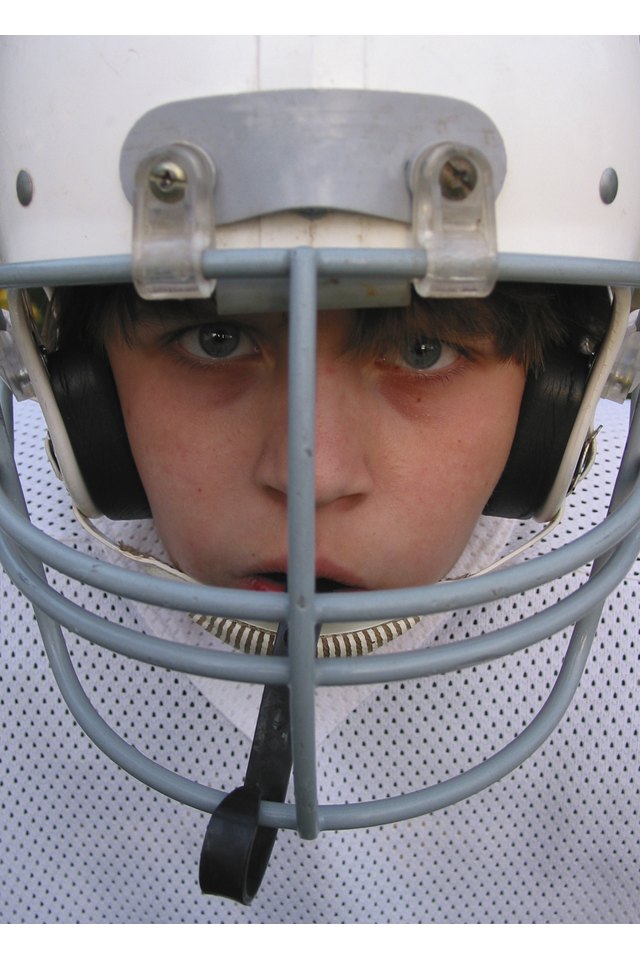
point(523, 319)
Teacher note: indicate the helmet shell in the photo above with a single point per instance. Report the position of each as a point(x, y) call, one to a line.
point(565, 107)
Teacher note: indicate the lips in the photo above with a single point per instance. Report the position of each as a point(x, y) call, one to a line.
point(330, 580)
point(267, 583)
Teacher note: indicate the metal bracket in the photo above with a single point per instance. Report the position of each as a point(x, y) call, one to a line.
point(13, 369)
point(311, 153)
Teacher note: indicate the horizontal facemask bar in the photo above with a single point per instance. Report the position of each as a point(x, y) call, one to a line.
point(273, 263)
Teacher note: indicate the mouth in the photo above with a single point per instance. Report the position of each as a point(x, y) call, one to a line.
point(276, 582)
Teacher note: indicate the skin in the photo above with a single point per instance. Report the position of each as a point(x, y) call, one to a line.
point(407, 450)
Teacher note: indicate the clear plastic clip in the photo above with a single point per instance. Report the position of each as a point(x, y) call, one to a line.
point(625, 373)
point(173, 223)
point(13, 370)
point(454, 221)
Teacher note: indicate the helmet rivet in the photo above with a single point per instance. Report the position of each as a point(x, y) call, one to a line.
point(608, 185)
point(587, 346)
point(458, 178)
point(24, 188)
point(168, 181)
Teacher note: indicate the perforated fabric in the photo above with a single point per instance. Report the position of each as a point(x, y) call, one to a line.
point(557, 841)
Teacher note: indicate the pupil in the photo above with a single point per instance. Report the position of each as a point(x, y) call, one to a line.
point(218, 341)
point(424, 353)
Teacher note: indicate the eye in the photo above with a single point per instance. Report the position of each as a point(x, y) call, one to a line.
point(217, 341)
point(425, 353)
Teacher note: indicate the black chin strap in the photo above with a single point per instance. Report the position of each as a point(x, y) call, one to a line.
point(236, 849)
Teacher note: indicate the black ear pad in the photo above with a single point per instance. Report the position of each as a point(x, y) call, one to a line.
point(85, 390)
point(550, 405)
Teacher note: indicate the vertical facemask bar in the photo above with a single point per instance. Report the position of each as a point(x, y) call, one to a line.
point(301, 516)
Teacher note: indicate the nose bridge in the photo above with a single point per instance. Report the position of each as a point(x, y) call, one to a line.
point(341, 468)
point(335, 397)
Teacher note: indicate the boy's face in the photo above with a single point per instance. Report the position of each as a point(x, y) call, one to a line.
point(411, 438)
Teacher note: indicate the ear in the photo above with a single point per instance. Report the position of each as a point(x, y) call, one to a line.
point(550, 404)
point(86, 395)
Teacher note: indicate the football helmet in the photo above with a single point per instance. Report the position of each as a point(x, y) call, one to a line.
point(307, 173)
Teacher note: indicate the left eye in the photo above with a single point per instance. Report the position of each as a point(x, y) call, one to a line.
point(424, 353)
point(217, 341)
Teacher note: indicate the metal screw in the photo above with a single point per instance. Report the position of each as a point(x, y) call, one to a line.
point(458, 178)
point(168, 181)
point(24, 188)
point(587, 346)
point(608, 185)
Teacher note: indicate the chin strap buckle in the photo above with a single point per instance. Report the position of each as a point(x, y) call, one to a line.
point(236, 849)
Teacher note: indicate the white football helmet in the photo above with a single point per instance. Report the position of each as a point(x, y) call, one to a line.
point(297, 173)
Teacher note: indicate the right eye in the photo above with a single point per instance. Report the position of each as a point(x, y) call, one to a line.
point(217, 341)
point(427, 353)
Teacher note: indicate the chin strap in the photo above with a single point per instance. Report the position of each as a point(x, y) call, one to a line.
point(236, 849)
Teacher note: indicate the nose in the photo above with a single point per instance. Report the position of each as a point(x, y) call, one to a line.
point(342, 429)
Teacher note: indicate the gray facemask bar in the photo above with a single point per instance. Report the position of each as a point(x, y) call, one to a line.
point(616, 543)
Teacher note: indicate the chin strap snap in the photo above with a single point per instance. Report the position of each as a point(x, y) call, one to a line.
point(236, 849)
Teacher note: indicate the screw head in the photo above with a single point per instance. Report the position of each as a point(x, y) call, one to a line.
point(168, 181)
point(24, 188)
point(608, 185)
point(458, 178)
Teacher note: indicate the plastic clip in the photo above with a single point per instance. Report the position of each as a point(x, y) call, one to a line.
point(624, 377)
point(454, 221)
point(173, 223)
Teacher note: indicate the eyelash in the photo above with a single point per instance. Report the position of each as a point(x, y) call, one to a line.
point(459, 362)
point(248, 340)
point(245, 342)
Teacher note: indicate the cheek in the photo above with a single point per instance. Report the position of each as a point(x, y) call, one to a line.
point(484, 423)
point(183, 455)
point(470, 414)
point(451, 443)
point(194, 444)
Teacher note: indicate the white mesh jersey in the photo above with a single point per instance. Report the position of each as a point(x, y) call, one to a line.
point(557, 841)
